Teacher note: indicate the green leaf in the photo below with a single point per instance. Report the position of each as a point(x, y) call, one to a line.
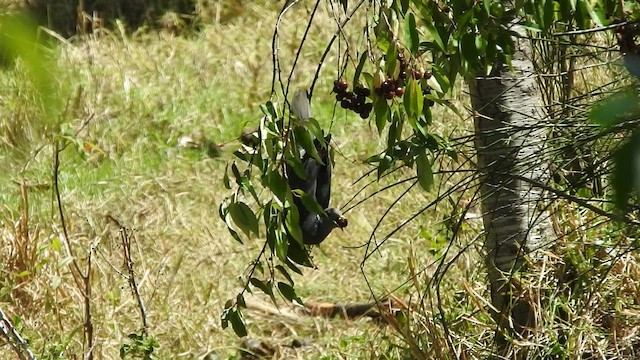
point(404, 4)
point(395, 131)
point(236, 174)
point(244, 218)
point(309, 202)
point(288, 292)
point(281, 245)
point(386, 162)
point(285, 273)
point(487, 5)
point(615, 108)
point(391, 59)
point(296, 164)
point(626, 173)
point(304, 139)
point(582, 15)
point(439, 83)
point(411, 34)
point(363, 60)
point(435, 35)
point(269, 109)
point(345, 4)
point(225, 178)
point(314, 128)
point(468, 49)
point(413, 101)
point(278, 186)
point(381, 109)
point(292, 222)
point(56, 244)
point(236, 323)
point(425, 174)
point(266, 288)
point(240, 301)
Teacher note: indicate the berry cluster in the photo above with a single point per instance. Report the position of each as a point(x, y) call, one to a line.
point(353, 100)
point(390, 87)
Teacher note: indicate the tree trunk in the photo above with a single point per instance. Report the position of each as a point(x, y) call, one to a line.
point(509, 143)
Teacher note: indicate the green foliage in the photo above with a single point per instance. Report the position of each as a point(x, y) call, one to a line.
point(139, 346)
point(616, 113)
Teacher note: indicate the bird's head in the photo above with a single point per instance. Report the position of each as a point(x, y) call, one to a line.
point(336, 216)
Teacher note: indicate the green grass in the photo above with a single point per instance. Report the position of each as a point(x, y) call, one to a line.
point(129, 100)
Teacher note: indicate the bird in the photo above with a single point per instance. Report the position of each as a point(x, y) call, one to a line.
point(317, 183)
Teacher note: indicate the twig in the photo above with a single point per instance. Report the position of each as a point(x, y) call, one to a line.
point(603, 28)
point(125, 236)
point(304, 37)
point(328, 48)
point(577, 200)
point(83, 282)
point(14, 339)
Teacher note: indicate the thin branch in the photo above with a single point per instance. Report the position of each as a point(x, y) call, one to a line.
point(126, 237)
point(83, 282)
point(14, 339)
point(328, 48)
point(598, 29)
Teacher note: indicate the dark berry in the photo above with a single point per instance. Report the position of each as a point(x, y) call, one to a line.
point(349, 95)
point(403, 74)
point(345, 104)
point(386, 86)
point(390, 95)
point(339, 96)
point(427, 75)
point(362, 91)
point(366, 108)
point(364, 115)
point(417, 74)
point(399, 91)
point(431, 103)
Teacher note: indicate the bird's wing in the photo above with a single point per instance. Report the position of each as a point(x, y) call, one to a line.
point(301, 107)
point(323, 188)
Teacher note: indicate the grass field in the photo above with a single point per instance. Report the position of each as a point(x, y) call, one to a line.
point(126, 101)
point(123, 105)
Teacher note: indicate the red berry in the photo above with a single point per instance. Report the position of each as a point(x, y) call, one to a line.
point(342, 85)
point(390, 95)
point(417, 74)
point(399, 91)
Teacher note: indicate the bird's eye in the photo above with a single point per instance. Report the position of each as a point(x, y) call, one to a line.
point(342, 222)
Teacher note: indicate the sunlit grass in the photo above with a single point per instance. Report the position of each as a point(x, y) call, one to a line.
point(129, 99)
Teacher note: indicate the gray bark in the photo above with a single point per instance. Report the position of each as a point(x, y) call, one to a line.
point(510, 143)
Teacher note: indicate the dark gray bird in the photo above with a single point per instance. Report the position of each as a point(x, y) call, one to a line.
point(317, 184)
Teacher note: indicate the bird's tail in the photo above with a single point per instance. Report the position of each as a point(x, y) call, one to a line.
point(300, 107)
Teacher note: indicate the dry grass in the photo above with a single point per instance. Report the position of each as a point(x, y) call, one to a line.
point(129, 99)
